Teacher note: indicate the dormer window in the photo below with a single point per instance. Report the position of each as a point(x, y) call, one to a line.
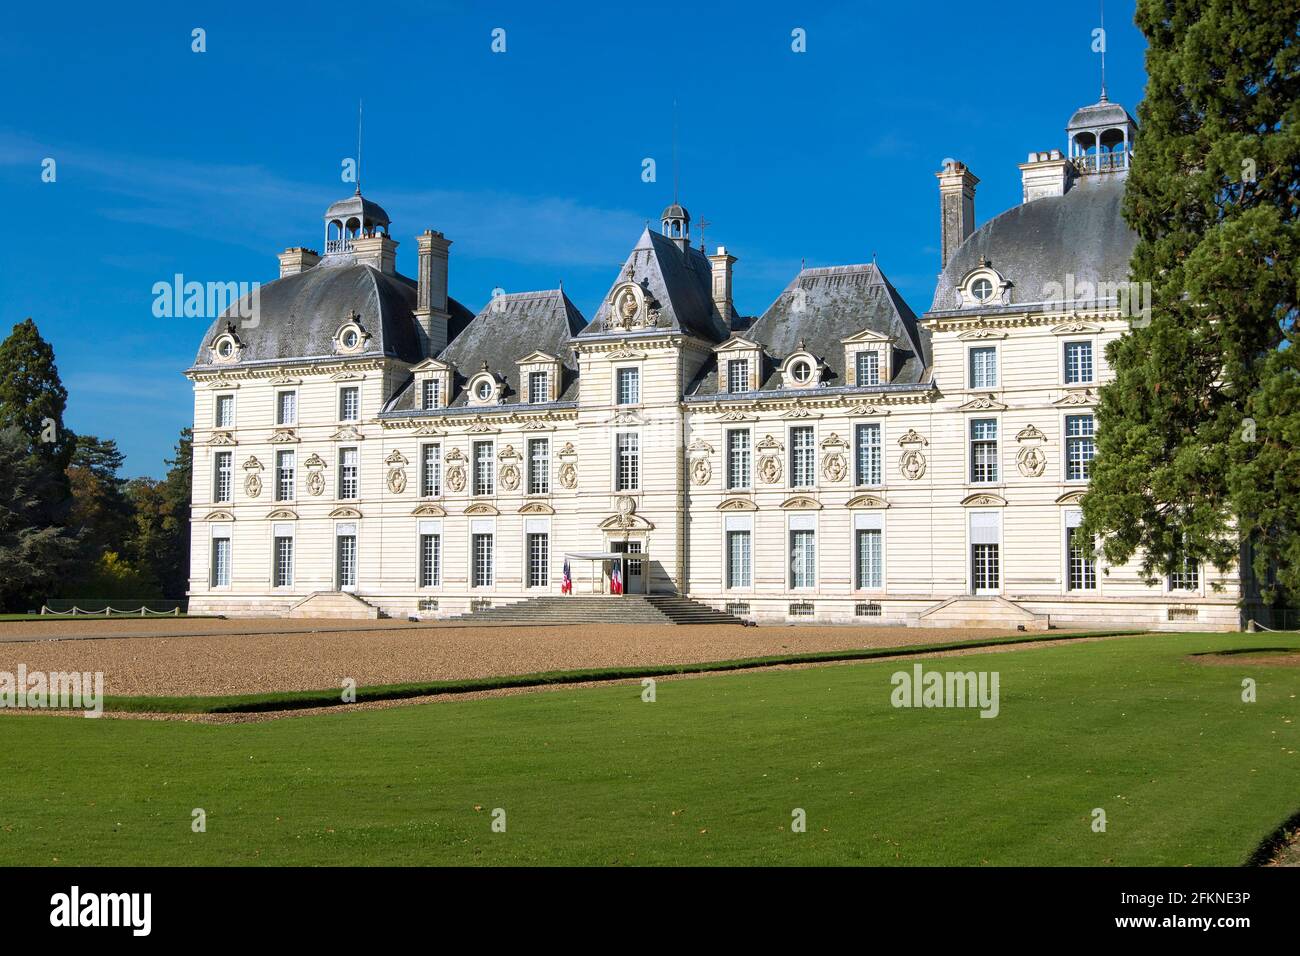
point(740, 365)
point(539, 378)
point(801, 370)
point(351, 337)
point(484, 388)
point(226, 346)
point(983, 286)
point(483, 391)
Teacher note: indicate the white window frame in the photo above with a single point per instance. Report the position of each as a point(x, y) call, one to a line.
point(857, 454)
point(534, 377)
point(858, 357)
point(279, 394)
point(347, 530)
point(1066, 442)
point(489, 472)
point(806, 522)
point(293, 475)
point(221, 532)
point(435, 467)
point(218, 472)
point(1065, 363)
point(342, 452)
point(970, 367)
point(970, 450)
point(435, 383)
point(734, 365)
point(867, 521)
point(216, 410)
point(275, 558)
point(545, 582)
point(343, 391)
point(1071, 518)
point(748, 433)
point(476, 532)
point(790, 462)
point(728, 565)
point(538, 471)
point(619, 371)
point(428, 529)
point(971, 535)
point(634, 486)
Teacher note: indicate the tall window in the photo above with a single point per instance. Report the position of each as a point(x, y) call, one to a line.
point(286, 408)
point(803, 457)
point(431, 393)
point(223, 475)
point(739, 559)
point(539, 557)
point(629, 386)
point(1078, 363)
point(738, 375)
point(628, 464)
point(1081, 573)
point(984, 449)
point(481, 551)
point(868, 465)
point(484, 478)
point(539, 388)
point(349, 403)
point(1187, 577)
point(225, 411)
point(1080, 447)
point(803, 558)
point(284, 468)
point(346, 545)
point(283, 562)
point(868, 367)
point(539, 466)
point(984, 367)
point(349, 473)
point(220, 574)
point(869, 557)
point(738, 459)
point(430, 560)
point(430, 471)
point(985, 573)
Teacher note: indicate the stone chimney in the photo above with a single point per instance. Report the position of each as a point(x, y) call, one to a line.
point(956, 205)
point(297, 259)
point(431, 300)
point(1045, 174)
point(377, 251)
point(722, 263)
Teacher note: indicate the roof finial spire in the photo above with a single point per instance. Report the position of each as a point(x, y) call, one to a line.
point(676, 198)
point(1102, 4)
point(358, 146)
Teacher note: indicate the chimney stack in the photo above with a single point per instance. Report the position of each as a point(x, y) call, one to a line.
point(956, 205)
point(297, 259)
point(722, 263)
point(431, 300)
point(1045, 174)
point(377, 251)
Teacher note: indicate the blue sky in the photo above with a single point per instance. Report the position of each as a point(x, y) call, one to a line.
point(208, 164)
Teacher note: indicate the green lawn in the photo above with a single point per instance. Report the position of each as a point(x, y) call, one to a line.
point(1186, 772)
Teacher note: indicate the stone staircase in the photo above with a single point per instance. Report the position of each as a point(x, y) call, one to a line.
point(339, 604)
point(970, 611)
point(601, 609)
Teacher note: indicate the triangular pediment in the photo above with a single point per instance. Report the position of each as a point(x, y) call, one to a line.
point(537, 357)
point(866, 335)
point(431, 365)
point(737, 343)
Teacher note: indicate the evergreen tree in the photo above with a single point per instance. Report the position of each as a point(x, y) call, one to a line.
point(32, 397)
point(1196, 433)
point(34, 555)
point(160, 543)
point(103, 517)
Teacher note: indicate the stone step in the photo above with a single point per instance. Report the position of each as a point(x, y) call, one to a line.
point(973, 611)
point(602, 609)
point(334, 604)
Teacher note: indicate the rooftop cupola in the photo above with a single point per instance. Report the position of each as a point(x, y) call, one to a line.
point(677, 225)
point(1101, 138)
point(350, 219)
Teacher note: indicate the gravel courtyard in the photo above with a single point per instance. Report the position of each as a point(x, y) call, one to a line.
point(211, 657)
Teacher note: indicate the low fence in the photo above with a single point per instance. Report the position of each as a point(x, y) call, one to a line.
point(113, 607)
point(1274, 618)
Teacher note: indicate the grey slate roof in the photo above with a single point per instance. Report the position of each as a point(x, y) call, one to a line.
point(1100, 114)
point(1082, 233)
point(837, 302)
point(506, 330)
point(681, 284)
point(298, 315)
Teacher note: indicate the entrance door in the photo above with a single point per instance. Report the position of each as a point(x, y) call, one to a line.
point(346, 567)
point(985, 572)
point(633, 570)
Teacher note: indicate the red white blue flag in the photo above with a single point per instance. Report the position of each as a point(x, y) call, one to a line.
point(566, 586)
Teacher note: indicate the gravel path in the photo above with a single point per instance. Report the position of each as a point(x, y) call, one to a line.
point(257, 656)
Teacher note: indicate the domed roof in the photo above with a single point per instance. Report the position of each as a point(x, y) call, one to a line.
point(1044, 242)
point(676, 211)
point(360, 207)
point(299, 315)
point(1103, 113)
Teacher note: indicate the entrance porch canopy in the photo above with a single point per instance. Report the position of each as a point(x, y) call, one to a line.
point(602, 556)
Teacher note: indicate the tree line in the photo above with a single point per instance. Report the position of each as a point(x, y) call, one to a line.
point(70, 525)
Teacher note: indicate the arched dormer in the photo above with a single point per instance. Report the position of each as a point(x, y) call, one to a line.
point(983, 287)
point(802, 369)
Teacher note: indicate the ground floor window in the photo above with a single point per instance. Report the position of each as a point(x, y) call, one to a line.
point(481, 551)
point(220, 573)
point(803, 558)
point(739, 561)
point(870, 558)
point(283, 562)
point(1187, 578)
point(985, 573)
point(430, 560)
point(347, 560)
point(1081, 574)
point(539, 559)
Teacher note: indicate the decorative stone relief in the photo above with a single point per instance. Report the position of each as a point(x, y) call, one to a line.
point(835, 465)
point(252, 477)
point(912, 463)
point(455, 462)
point(701, 471)
point(568, 472)
point(315, 466)
point(769, 460)
point(509, 459)
point(1031, 459)
point(396, 463)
